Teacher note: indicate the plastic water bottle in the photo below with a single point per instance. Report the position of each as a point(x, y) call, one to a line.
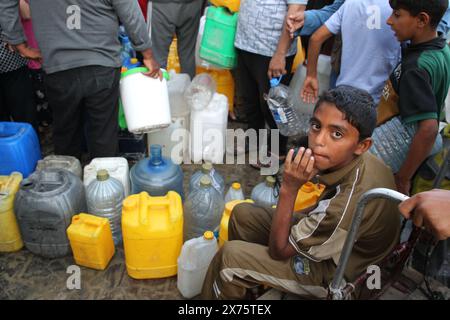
point(202, 210)
point(264, 193)
point(234, 193)
point(104, 197)
point(200, 92)
point(216, 179)
point(193, 263)
point(127, 53)
point(283, 112)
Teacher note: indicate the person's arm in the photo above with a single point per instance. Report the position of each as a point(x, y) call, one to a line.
point(310, 89)
point(10, 22)
point(431, 209)
point(131, 17)
point(25, 10)
point(417, 103)
point(419, 150)
point(277, 66)
point(297, 172)
point(306, 23)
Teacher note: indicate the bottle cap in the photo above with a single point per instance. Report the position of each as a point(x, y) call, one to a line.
point(205, 181)
point(275, 81)
point(236, 185)
point(207, 167)
point(270, 181)
point(208, 235)
point(102, 175)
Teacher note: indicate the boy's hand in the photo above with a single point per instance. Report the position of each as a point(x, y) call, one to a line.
point(310, 90)
point(295, 21)
point(403, 184)
point(298, 170)
point(277, 66)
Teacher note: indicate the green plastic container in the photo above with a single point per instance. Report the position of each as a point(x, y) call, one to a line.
point(217, 46)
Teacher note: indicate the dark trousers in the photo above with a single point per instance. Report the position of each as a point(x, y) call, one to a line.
point(85, 98)
point(16, 97)
point(251, 77)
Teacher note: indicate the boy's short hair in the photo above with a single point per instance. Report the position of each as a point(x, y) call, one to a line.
point(434, 8)
point(357, 106)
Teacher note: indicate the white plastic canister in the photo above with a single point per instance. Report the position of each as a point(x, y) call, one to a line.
point(145, 101)
point(116, 167)
point(208, 131)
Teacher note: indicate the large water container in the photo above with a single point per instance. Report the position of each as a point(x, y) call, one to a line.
point(45, 204)
point(202, 210)
point(224, 82)
point(208, 131)
point(156, 175)
point(175, 138)
point(217, 46)
point(61, 162)
point(116, 167)
point(264, 194)
point(232, 5)
point(10, 239)
point(91, 241)
point(152, 235)
point(193, 263)
point(216, 179)
point(229, 206)
point(283, 113)
point(145, 101)
point(104, 197)
point(234, 193)
point(19, 148)
point(305, 110)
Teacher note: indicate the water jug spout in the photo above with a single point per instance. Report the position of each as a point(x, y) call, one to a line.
point(156, 155)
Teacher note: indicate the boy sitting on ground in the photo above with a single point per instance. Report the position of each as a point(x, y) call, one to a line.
point(416, 90)
point(298, 253)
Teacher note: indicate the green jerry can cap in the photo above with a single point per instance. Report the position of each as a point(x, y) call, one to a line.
point(102, 175)
point(205, 181)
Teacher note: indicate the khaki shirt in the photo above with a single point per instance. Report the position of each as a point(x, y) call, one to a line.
point(321, 234)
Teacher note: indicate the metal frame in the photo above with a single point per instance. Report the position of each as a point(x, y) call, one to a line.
point(338, 290)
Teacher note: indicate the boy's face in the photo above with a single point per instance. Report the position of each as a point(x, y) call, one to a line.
point(403, 24)
point(333, 140)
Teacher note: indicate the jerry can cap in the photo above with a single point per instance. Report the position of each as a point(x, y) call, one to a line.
point(205, 181)
point(208, 235)
point(102, 175)
point(236, 185)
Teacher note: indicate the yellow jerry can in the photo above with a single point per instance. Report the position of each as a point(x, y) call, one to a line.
point(152, 230)
point(173, 61)
point(91, 241)
point(308, 195)
point(10, 239)
point(232, 5)
point(223, 231)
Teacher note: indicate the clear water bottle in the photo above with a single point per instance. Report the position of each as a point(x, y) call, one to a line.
point(104, 197)
point(234, 193)
point(264, 194)
point(202, 210)
point(193, 263)
point(285, 116)
point(200, 92)
point(216, 179)
point(127, 52)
